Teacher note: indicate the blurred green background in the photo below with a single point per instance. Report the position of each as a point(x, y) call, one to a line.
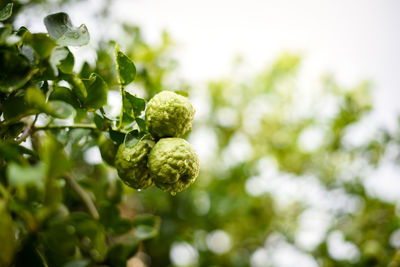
point(285, 178)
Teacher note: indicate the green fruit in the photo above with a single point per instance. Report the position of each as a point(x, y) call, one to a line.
point(173, 164)
point(131, 164)
point(108, 149)
point(169, 115)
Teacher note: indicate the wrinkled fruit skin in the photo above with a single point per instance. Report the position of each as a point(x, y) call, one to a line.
point(108, 150)
point(173, 164)
point(131, 164)
point(169, 115)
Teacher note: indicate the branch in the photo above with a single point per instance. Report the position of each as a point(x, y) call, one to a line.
point(59, 127)
point(83, 195)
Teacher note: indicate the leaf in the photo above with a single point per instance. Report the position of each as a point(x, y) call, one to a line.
point(101, 123)
point(6, 12)
point(141, 124)
point(21, 176)
point(60, 109)
point(4, 33)
point(118, 254)
point(60, 29)
point(51, 152)
point(8, 239)
point(62, 58)
point(117, 137)
point(64, 94)
point(41, 44)
point(13, 152)
point(125, 67)
point(96, 92)
point(146, 226)
point(136, 104)
point(111, 219)
point(77, 86)
point(92, 235)
point(15, 70)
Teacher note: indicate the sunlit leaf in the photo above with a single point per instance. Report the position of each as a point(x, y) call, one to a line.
point(125, 67)
point(6, 12)
point(60, 28)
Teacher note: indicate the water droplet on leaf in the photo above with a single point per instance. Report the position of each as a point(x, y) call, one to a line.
point(76, 35)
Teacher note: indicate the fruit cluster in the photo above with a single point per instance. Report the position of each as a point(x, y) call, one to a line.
point(165, 160)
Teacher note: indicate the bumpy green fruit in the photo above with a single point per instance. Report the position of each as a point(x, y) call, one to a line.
point(131, 164)
point(108, 149)
point(169, 115)
point(173, 164)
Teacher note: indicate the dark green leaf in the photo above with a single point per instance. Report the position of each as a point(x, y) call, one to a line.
point(60, 28)
point(77, 263)
point(15, 70)
point(96, 92)
point(6, 12)
point(117, 137)
point(86, 70)
point(16, 107)
point(146, 226)
point(8, 239)
point(101, 123)
point(125, 67)
point(111, 219)
point(13, 152)
point(142, 124)
point(118, 254)
point(136, 104)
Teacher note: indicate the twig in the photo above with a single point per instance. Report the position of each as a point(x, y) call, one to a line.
point(59, 127)
point(83, 195)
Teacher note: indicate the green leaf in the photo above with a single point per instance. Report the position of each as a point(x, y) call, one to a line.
point(136, 104)
point(60, 109)
point(77, 86)
point(141, 124)
point(8, 239)
point(92, 235)
point(51, 152)
point(118, 254)
point(96, 92)
point(125, 67)
point(77, 263)
point(101, 123)
point(16, 107)
point(6, 12)
point(60, 28)
point(64, 94)
point(62, 58)
point(4, 33)
point(146, 226)
point(41, 44)
point(117, 137)
point(111, 219)
point(21, 176)
point(15, 70)
point(13, 152)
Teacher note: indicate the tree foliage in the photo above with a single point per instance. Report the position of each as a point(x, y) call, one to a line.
point(270, 148)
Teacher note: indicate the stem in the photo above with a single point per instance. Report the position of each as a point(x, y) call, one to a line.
point(122, 106)
point(84, 196)
point(59, 127)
